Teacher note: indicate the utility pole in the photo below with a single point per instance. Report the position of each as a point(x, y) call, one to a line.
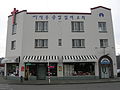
point(48, 72)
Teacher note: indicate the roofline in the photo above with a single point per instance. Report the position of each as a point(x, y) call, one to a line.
point(57, 13)
point(19, 12)
point(61, 12)
point(100, 7)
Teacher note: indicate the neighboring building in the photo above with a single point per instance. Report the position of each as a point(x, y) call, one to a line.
point(70, 44)
point(1, 67)
point(118, 61)
point(118, 65)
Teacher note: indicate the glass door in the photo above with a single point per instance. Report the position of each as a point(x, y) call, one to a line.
point(105, 72)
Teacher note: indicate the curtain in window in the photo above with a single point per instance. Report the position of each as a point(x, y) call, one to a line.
point(103, 43)
point(41, 26)
point(102, 26)
point(77, 26)
point(45, 43)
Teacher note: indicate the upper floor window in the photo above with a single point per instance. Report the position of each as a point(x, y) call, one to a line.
point(103, 43)
point(101, 14)
point(78, 43)
point(41, 43)
point(13, 45)
point(77, 26)
point(102, 27)
point(59, 42)
point(14, 28)
point(41, 26)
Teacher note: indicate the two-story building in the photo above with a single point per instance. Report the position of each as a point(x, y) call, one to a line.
point(70, 44)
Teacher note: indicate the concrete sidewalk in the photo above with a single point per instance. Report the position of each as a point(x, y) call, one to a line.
point(57, 82)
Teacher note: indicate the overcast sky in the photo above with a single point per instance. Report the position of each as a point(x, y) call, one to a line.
point(6, 6)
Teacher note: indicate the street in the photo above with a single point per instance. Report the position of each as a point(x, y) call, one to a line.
point(97, 86)
point(5, 87)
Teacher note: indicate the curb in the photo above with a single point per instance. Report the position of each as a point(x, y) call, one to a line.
point(22, 83)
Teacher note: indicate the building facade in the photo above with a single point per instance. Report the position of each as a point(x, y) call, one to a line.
point(118, 61)
point(60, 44)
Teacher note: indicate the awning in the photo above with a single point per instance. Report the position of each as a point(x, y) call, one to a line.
point(11, 60)
point(40, 58)
point(79, 58)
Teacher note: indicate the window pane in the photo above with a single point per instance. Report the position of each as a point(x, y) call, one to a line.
point(82, 43)
point(14, 27)
point(72, 26)
point(78, 43)
point(45, 43)
point(46, 26)
point(103, 43)
point(36, 25)
point(59, 42)
point(13, 45)
point(77, 26)
point(41, 43)
point(41, 26)
point(36, 42)
point(81, 26)
point(102, 26)
point(73, 43)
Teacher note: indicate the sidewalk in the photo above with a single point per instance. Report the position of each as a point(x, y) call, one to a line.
point(57, 82)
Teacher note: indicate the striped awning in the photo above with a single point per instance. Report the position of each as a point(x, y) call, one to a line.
point(40, 58)
point(81, 58)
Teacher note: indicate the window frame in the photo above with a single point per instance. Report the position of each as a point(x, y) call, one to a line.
point(102, 27)
point(13, 45)
point(14, 28)
point(59, 42)
point(40, 26)
point(43, 44)
point(77, 26)
point(103, 43)
point(78, 43)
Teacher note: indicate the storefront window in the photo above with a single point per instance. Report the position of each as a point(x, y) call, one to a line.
point(79, 69)
point(84, 69)
point(53, 69)
point(33, 70)
point(12, 69)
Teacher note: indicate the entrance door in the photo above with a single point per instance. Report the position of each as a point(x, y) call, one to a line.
point(105, 72)
point(105, 67)
point(41, 71)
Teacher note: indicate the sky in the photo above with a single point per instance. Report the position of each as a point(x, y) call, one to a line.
point(6, 7)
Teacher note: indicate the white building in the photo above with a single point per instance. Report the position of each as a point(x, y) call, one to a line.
point(74, 44)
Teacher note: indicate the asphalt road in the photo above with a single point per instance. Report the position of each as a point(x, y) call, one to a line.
point(97, 86)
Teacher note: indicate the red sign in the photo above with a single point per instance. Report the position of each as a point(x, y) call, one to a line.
point(60, 68)
point(14, 15)
point(51, 66)
point(22, 68)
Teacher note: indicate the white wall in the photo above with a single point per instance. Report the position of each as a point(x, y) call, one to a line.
point(61, 29)
point(17, 36)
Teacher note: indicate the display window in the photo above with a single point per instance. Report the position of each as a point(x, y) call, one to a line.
point(12, 69)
